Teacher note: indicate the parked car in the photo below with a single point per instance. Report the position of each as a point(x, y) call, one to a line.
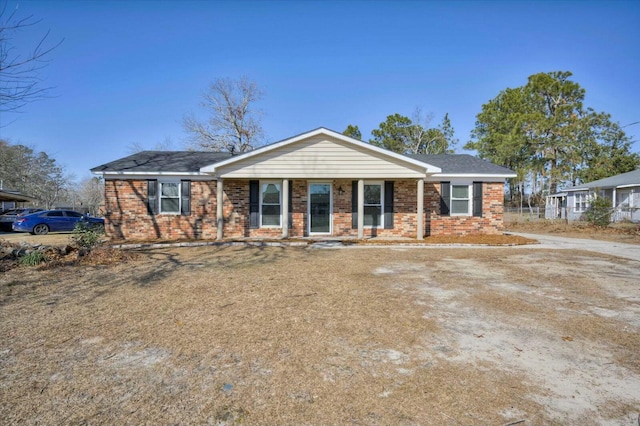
point(8, 217)
point(43, 222)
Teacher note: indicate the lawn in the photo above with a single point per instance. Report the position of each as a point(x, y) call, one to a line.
point(272, 335)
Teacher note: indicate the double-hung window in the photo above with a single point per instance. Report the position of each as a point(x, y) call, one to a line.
point(169, 197)
point(270, 203)
point(460, 199)
point(582, 201)
point(373, 204)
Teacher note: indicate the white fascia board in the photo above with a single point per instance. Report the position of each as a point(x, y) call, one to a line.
point(577, 189)
point(152, 175)
point(473, 175)
point(630, 185)
point(321, 131)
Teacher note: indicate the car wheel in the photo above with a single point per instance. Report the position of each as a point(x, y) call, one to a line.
point(41, 229)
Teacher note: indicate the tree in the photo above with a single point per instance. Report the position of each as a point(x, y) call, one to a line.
point(20, 81)
point(392, 133)
point(32, 173)
point(90, 194)
point(404, 135)
point(353, 132)
point(233, 124)
point(543, 132)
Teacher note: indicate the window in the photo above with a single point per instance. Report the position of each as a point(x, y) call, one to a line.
point(582, 202)
point(373, 204)
point(460, 199)
point(270, 203)
point(169, 197)
point(57, 213)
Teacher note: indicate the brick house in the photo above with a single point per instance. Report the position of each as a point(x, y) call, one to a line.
point(319, 183)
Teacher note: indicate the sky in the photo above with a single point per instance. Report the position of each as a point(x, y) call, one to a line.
point(127, 72)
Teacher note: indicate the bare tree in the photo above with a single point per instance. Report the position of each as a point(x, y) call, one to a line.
point(165, 145)
point(20, 81)
point(233, 124)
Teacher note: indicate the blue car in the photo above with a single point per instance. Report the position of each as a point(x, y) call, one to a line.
point(42, 223)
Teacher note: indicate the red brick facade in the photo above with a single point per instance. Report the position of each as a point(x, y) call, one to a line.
point(127, 216)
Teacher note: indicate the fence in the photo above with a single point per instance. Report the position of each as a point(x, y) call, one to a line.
point(514, 214)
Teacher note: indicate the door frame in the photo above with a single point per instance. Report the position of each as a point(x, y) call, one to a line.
point(323, 182)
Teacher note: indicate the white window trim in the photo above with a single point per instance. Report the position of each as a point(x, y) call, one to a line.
point(581, 202)
point(469, 199)
point(266, 182)
point(381, 218)
point(160, 197)
point(330, 207)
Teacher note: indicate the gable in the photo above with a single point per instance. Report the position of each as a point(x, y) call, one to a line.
point(321, 156)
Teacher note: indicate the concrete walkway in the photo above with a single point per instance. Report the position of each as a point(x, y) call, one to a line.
point(627, 251)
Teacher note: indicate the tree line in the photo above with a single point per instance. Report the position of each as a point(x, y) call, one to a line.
point(544, 132)
point(36, 174)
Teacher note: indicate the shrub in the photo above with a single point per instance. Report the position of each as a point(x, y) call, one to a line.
point(87, 235)
point(599, 212)
point(32, 259)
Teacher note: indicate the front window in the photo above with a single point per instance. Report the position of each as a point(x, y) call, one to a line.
point(169, 197)
point(373, 207)
point(460, 199)
point(270, 203)
point(582, 202)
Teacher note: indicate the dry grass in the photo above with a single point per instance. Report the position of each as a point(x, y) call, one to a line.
point(624, 232)
point(269, 335)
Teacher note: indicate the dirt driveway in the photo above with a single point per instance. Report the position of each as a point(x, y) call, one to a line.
point(225, 335)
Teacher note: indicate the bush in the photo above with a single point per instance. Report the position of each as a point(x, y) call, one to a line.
point(32, 259)
point(87, 235)
point(599, 212)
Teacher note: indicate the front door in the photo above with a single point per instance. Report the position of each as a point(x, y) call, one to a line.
point(319, 208)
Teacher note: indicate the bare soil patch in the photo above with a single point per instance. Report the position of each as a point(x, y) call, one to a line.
point(273, 335)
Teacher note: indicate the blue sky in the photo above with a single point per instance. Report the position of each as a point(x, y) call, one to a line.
point(128, 71)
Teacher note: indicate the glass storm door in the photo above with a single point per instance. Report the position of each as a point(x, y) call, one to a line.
point(320, 208)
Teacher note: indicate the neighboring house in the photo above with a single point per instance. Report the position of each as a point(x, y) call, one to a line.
point(327, 184)
point(11, 199)
point(623, 191)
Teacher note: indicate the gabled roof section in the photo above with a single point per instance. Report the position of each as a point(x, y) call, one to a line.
point(322, 131)
point(631, 178)
point(162, 162)
point(453, 165)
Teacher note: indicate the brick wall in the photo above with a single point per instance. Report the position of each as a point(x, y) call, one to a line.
point(127, 217)
point(489, 223)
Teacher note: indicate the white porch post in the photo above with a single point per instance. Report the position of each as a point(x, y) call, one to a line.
point(360, 208)
point(219, 209)
point(420, 212)
point(285, 208)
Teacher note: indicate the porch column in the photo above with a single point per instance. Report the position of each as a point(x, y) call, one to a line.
point(360, 208)
point(420, 210)
point(219, 209)
point(285, 208)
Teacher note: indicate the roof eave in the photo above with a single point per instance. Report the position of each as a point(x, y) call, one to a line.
point(476, 175)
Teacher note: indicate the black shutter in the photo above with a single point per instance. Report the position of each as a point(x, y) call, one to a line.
point(152, 196)
point(445, 198)
point(254, 204)
point(354, 204)
point(388, 204)
point(477, 199)
point(290, 204)
point(185, 194)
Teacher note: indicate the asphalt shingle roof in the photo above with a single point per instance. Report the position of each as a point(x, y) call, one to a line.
point(462, 163)
point(192, 161)
point(629, 178)
point(163, 161)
